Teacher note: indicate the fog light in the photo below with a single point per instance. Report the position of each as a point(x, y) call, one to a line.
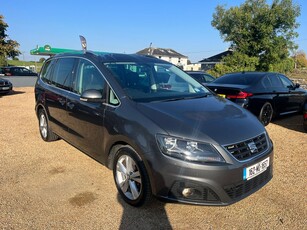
point(187, 192)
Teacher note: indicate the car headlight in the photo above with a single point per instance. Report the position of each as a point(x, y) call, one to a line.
point(188, 150)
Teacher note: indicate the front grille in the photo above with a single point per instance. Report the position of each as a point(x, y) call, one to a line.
point(239, 189)
point(3, 83)
point(248, 149)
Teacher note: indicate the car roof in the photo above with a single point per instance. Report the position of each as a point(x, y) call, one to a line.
point(116, 57)
point(250, 74)
point(196, 72)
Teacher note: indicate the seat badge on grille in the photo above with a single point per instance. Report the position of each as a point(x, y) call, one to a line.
point(252, 146)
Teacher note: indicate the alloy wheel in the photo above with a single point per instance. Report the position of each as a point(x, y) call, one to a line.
point(43, 125)
point(128, 177)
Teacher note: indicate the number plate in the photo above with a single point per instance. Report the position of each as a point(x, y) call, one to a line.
point(256, 169)
point(222, 95)
point(5, 88)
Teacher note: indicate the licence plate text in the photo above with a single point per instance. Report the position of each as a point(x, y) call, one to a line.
point(256, 169)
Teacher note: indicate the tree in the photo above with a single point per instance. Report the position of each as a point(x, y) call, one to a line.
point(300, 59)
point(41, 60)
point(8, 47)
point(236, 62)
point(259, 30)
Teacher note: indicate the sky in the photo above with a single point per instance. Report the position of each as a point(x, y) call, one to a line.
point(123, 26)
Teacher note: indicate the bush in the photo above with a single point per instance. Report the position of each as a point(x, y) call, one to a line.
point(3, 61)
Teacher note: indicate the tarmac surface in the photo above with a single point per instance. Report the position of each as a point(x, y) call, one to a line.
point(55, 186)
point(22, 81)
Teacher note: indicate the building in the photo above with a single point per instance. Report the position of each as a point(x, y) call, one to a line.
point(210, 62)
point(169, 55)
point(192, 67)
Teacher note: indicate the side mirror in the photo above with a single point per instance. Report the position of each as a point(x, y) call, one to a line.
point(91, 95)
point(297, 85)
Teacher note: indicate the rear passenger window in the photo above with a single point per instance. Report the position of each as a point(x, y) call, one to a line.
point(46, 71)
point(63, 73)
point(266, 82)
point(276, 83)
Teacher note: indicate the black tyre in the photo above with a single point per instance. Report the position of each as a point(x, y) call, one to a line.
point(266, 113)
point(131, 178)
point(44, 129)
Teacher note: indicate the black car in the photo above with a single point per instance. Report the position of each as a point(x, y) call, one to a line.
point(1, 71)
point(160, 131)
point(18, 71)
point(5, 86)
point(201, 76)
point(265, 94)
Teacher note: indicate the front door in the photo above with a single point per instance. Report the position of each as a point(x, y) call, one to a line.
point(86, 118)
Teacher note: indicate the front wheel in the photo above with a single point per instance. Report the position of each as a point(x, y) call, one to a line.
point(131, 178)
point(44, 129)
point(266, 113)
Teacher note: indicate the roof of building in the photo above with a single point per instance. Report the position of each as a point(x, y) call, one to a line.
point(217, 57)
point(160, 52)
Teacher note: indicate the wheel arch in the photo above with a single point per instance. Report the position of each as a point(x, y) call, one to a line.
point(121, 144)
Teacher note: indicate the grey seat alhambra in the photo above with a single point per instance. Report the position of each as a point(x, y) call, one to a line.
point(161, 132)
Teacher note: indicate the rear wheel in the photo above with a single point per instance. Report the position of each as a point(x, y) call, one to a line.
point(44, 129)
point(131, 178)
point(266, 113)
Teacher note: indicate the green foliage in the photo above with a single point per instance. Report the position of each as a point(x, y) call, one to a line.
point(300, 59)
point(284, 66)
point(3, 61)
point(237, 62)
point(41, 60)
point(259, 30)
point(8, 47)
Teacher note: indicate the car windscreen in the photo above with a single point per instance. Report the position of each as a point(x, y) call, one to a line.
point(146, 82)
point(237, 79)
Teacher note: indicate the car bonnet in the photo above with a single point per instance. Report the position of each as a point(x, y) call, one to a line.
point(211, 119)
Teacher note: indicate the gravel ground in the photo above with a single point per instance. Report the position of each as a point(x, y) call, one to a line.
point(55, 186)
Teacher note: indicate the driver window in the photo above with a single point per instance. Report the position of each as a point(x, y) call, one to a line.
point(286, 82)
point(88, 77)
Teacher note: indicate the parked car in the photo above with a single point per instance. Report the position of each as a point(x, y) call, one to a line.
point(5, 86)
point(305, 116)
point(18, 71)
point(265, 94)
point(161, 132)
point(1, 71)
point(201, 76)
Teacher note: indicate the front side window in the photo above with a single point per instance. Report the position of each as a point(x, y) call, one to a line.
point(155, 81)
point(87, 77)
point(286, 82)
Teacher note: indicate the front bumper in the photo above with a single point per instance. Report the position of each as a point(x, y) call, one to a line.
point(5, 88)
point(217, 184)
